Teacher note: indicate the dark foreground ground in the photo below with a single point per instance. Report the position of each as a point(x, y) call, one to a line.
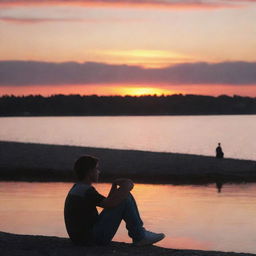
point(25, 245)
point(40, 162)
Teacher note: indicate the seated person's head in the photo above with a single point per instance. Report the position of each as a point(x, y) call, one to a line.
point(86, 168)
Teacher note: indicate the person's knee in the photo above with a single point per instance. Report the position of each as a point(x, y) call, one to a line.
point(128, 199)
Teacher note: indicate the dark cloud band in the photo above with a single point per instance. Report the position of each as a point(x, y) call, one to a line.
point(21, 73)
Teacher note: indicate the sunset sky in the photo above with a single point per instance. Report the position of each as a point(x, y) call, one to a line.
point(115, 47)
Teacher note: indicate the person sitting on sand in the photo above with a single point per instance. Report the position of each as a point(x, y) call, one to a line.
point(219, 152)
point(83, 223)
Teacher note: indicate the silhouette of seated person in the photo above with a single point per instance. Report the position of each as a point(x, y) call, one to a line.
point(219, 152)
point(83, 223)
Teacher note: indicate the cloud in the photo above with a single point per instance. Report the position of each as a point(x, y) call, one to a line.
point(177, 4)
point(39, 20)
point(33, 20)
point(21, 73)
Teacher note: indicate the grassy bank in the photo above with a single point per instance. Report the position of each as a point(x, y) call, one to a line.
point(26, 245)
point(40, 162)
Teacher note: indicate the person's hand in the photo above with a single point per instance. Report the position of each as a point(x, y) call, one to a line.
point(127, 183)
point(120, 181)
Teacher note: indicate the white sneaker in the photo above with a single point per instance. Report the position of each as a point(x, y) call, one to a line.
point(150, 238)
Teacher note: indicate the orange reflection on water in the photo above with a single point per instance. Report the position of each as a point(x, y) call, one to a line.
point(192, 217)
point(185, 243)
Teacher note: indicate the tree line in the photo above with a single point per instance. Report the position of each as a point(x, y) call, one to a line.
point(77, 105)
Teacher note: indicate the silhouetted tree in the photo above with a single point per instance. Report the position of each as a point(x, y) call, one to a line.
point(177, 104)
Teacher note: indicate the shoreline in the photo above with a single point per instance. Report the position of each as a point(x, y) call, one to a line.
point(43, 162)
point(139, 115)
point(24, 245)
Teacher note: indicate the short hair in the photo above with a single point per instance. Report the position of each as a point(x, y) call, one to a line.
point(83, 165)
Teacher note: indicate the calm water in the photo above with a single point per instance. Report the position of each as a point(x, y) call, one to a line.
point(181, 134)
point(195, 217)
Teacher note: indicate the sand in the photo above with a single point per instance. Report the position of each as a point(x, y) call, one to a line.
point(40, 162)
point(26, 245)
point(28, 161)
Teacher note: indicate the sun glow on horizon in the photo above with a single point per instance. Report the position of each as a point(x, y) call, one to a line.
point(140, 91)
point(101, 90)
point(127, 89)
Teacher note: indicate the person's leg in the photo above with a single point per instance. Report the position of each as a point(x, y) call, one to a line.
point(110, 219)
point(133, 221)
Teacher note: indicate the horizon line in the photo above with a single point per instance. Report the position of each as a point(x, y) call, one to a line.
point(123, 96)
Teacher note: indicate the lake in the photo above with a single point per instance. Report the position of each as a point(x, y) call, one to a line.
point(180, 134)
point(192, 217)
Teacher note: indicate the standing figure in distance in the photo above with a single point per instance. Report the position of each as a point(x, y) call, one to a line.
point(219, 185)
point(219, 152)
point(83, 223)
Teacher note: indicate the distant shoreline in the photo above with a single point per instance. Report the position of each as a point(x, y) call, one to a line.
point(41, 162)
point(23, 245)
point(93, 105)
point(117, 115)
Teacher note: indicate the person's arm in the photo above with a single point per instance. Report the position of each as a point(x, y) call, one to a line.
point(118, 192)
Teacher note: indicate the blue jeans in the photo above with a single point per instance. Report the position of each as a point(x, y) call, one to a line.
point(110, 219)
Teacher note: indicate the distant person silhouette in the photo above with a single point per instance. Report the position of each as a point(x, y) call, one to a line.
point(219, 185)
point(219, 152)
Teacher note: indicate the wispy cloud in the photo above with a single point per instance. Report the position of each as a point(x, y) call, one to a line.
point(183, 4)
point(20, 73)
point(33, 20)
point(144, 58)
point(39, 20)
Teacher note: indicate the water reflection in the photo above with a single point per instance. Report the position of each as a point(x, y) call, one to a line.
point(194, 217)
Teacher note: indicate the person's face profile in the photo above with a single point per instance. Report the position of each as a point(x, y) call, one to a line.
point(95, 173)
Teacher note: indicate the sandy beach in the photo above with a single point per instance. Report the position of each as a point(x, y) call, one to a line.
point(40, 162)
point(26, 245)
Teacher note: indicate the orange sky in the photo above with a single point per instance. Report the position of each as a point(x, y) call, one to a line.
point(128, 90)
point(168, 34)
